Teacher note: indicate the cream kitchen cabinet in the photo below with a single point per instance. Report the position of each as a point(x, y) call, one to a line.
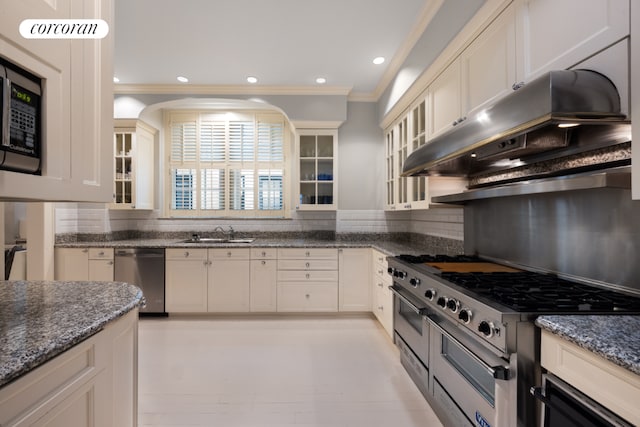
point(94, 264)
point(264, 278)
point(558, 35)
point(93, 384)
point(307, 280)
point(77, 103)
point(207, 280)
point(317, 161)
point(354, 280)
point(382, 298)
point(186, 272)
point(228, 280)
point(445, 100)
point(133, 165)
point(588, 372)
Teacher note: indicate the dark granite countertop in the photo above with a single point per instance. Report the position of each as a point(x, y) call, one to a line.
point(615, 338)
point(39, 320)
point(388, 247)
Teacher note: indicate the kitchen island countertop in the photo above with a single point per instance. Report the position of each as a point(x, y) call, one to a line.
point(615, 338)
point(41, 319)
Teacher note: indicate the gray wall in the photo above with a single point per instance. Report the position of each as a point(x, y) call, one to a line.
point(361, 159)
point(447, 22)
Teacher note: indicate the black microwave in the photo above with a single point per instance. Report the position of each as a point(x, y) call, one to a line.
point(21, 113)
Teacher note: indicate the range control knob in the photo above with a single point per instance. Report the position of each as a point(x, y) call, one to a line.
point(486, 328)
point(400, 274)
point(465, 316)
point(390, 270)
point(442, 302)
point(453, 305)
point(414, 281)
point(430, 294)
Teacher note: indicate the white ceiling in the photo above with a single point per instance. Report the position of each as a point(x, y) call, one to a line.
point(284, 43)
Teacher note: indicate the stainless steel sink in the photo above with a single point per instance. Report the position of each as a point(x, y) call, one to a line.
point(208, 240)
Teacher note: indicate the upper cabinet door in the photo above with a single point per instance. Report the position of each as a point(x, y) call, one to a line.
point(445, 101)
point(559, 34)
point(489, 63)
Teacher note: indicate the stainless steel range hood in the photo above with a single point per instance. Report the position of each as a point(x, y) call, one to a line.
point(531, 124)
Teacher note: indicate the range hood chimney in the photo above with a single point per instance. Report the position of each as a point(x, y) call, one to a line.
point(540, 117)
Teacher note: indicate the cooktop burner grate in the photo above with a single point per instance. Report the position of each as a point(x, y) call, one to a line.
point(537, 292)
point(421, 259)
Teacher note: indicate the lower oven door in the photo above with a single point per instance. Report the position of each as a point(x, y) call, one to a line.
point(470, 383)
point(564, 406)
point(408, 322)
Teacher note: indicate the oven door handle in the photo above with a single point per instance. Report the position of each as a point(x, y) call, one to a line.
point(498, 372)
point(407, 301)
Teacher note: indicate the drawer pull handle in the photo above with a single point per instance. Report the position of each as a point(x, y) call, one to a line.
point(101, 253)
point(380, 284)
point(307, 253)
point(264, 253)
point(381, 308)
point(380, 259)
point(380, 272)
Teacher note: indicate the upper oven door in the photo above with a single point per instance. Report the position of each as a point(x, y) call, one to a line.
point(481, 384)
point(408, 322)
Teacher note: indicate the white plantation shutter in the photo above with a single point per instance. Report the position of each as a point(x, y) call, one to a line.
point(270, 136)
point(212, 141)
point(241, 141)
point(184, 142)
point(226, 165)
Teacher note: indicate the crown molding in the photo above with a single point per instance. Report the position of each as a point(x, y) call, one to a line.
point(316, 124)
point(188, 89)
point(426, 16)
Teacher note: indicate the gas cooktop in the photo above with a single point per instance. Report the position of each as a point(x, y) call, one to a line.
point(523, 291)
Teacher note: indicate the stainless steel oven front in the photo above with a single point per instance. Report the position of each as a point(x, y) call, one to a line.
point(411, 335)
point(472, 386)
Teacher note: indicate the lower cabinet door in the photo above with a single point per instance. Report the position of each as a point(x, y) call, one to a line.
point(263, 293)
point(308, 297)
point(186, 286)
point(229, 286)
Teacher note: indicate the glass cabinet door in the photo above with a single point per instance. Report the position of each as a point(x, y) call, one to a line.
point(317, 170)
point(123, 173)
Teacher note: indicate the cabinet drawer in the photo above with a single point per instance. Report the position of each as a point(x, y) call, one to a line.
point(264, 253)
point(100, 253)
point(379, 258)
point(310, 297)
point(177, 253)
point(230, 253)
point(308, 276)
point(309, 264)
point(308, 253)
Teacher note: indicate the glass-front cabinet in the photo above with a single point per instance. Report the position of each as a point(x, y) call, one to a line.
point(133, 165)
point(317, 169)
point(407, 135)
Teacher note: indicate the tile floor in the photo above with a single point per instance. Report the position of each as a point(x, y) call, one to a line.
point(274, 371)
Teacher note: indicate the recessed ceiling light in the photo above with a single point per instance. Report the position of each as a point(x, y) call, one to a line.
point(321, 80)
point(182, 79)
point(252, 79)
point(116, 80)
point(379, 60)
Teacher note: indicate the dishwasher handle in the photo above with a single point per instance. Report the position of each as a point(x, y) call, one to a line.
point(131, 254)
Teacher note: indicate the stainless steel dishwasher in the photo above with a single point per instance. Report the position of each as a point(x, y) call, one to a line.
point(143, 267)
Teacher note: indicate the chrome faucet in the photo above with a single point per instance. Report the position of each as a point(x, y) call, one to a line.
point(231, 232)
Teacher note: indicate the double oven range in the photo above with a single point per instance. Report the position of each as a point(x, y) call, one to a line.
point(466, 333)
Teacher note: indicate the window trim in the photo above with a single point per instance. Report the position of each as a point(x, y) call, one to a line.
point(199, 116)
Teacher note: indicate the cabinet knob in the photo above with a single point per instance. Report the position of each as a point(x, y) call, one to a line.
point(308, 276)
point(307, 265)
point(380, 284)
point(264, 262)
point(101, 253)
point(380, 259)
point(186, 254)
point(110, 263)
point(307, 296)
point(380, 272)
point(381, 308)
point(307, 253)
point(264, 253)
point(228, 253)
point(85, 251)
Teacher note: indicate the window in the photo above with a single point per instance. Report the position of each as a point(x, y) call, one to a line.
point(226, 164)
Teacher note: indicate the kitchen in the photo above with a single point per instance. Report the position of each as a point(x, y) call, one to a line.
point(368, 196)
